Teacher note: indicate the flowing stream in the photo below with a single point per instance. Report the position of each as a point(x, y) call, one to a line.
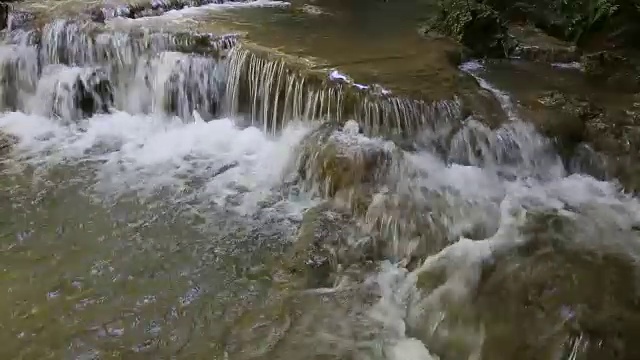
point(166, 194)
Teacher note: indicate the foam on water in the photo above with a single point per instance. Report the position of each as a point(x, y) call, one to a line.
point(606, 219)
point(520, 176)
point(186, 14)
point(146, 154)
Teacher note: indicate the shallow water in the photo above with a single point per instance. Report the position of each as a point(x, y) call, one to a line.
point(127, 242)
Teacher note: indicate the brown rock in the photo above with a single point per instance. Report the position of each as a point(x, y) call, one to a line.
point(550, 299)
point(535, 45)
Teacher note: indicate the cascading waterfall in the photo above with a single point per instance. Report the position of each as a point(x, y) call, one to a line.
point(267, 90)
point(272, 92)
point(425, 224)
point(141, 63)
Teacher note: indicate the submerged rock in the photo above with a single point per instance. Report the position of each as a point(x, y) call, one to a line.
point(327, 242)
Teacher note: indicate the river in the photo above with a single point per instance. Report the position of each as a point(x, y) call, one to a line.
point(256, 180)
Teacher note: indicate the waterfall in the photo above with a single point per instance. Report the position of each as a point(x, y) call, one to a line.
point(177, 73)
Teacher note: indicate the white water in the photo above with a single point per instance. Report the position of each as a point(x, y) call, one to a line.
point(188, 14)
point(146, 154)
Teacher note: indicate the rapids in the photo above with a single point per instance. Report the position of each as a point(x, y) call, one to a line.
point(169, 194)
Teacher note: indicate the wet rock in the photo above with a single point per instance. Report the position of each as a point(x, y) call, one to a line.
point(328, 240)
point(593, 135)
point(21, 19)
point(192, 85)
point(72, 93)
point(341, 163)
point(97, 15)
point(6, 142)
point(535, 45)
point(612, 69)
point(553, 298)
point(586, 160)
point(473, 24)
point(566, 119)
point(581, 21)
point(560, 293)
point(482, 105)
point(4, 15)
point(94, 94)
point(563, 117)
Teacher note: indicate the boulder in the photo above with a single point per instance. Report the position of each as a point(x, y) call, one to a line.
point(561, 116)
point(554, 298)
point(474, 24)
point(342, 164)
point(534, 45)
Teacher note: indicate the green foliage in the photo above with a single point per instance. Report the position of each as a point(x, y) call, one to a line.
point(585, 16)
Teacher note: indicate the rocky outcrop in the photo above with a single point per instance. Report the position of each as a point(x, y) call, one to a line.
point(473, 24)
point(534, 45)
point(584, 22)
point(341, 164)
point(609, 132)
point(480, 25)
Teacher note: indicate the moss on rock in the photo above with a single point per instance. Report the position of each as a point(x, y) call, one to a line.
point(473, 24)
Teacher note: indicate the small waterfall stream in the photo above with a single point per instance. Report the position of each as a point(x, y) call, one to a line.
point(184, 195)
